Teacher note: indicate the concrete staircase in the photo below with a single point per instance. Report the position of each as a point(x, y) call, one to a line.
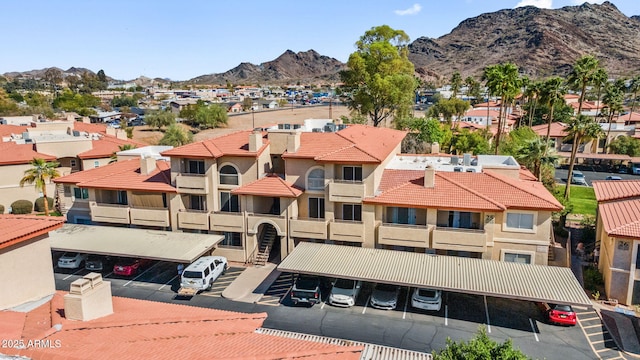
point(266, 243)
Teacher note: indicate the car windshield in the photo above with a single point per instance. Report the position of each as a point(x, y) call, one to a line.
point(306, 283)
point(578, 175)
point(566, 308)
point(126, 262)
point(344, 284)
point(70, 255)
point(385, 287)
point(427, 293)
point(192, 274)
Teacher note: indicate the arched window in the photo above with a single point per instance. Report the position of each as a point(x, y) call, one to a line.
point(315, 179)
point(228, 175)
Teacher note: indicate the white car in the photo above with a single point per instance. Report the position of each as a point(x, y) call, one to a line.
point(201, 274)
point(71, 260)
point(385, 296)
point(344, 292)
point(427, 299)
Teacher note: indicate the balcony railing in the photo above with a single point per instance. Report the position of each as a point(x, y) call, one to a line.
point(110, 213)
point(192, 183)
point(346, 191)
point(193, 219)
point(149, 216)
point(312, 228)
point(345, 230)
point(404, 234)
point(227, 221)
point(461, 239)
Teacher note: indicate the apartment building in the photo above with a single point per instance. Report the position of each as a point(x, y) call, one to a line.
point(269, 189)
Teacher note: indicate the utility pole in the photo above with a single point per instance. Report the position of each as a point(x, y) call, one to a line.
point(330, 108)
point(253, 118)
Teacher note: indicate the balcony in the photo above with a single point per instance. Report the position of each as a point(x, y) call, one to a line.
point(346, 191)
point(193, 219)
point(192, 183)
point(404, 235)
point(109, 213)
point(308, 228)
point(227, 221)
point(344, 230)
point(446, 238)
point(150, 216)
point(253, 220)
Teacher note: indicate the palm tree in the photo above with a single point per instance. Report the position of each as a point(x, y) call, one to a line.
point(114, 156)
point(456, 83)
point(534, 153)
point(613, 99)
point(600, 79)
point(176, 136)
point(634, 88)
point(552, 92)
point(502, 80)
point(581, 75)
point(39, 174)
point(532, 93)
point(580, 128)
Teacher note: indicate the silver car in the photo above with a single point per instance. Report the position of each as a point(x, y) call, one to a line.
point(344, 292)
point(577, 177)
point(385, 296)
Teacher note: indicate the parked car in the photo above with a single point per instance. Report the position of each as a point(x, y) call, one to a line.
point(201, 274)
point(577, 177)
point(426, 299)
point(130, 266)
point(72, 260)
point(98, 263)
point(306, 290)
point(344, 292)
point(558, 313)
point(385, 296)
point(613, 177)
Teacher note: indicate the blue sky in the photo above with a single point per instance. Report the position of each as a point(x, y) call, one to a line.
point(184, 39)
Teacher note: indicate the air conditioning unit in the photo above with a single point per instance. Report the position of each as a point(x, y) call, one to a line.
point(316, 130)
point(330, 128)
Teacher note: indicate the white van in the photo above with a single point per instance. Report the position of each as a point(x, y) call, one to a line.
point(201, 274)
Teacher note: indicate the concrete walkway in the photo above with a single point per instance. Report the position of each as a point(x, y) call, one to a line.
point(251, 285)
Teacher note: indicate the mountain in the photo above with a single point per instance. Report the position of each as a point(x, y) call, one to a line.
point(304, 66)
point(39, 74)
point(542, 42)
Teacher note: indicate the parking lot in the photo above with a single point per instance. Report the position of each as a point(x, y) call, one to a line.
point(591, 174)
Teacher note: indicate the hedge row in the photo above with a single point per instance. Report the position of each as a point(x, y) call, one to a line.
point(27, 207)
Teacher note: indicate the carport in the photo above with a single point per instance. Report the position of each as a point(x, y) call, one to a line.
point(458, 274)
point(117, 241)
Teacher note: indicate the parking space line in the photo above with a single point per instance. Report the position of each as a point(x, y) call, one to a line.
point(168, 282)
point(142, 273)
point(406, 302)
point(533, 329)
point(593, 326)
point(70, 275)
point(109, 274)
point(364, 309)
point(602, 341)
point(446, 315)
point(486, 310)
point(592, 318)
point(322, 306)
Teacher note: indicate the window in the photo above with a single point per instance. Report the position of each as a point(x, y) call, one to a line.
point(96, 164)
point(72, 163)
point(517, 258)
point(398, 215)
point(232, 239)
point(67, 190)
point(79, 193)
point(121, 197)
point(316, 208)
point(195, 167)
point(229, 202)
point(197, 202)
point(315, 180)
point(638, 258)
point(228, 175)
point(352, 173)
point(352, 212)
point(520, 221)
point(458, 219)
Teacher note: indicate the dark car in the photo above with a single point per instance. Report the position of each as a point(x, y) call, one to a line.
point(558, 313)
point(98, 263)
point(306, 290)
point(130, 266)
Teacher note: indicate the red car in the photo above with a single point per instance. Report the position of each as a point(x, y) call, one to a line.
point(129, 266)
point(559, 313)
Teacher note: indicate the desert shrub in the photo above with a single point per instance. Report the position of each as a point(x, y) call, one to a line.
point(21, 207)
point(39, 206)
point(592, 278)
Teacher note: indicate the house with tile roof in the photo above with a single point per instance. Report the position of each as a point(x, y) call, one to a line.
point(618, 236)
point(266, 190)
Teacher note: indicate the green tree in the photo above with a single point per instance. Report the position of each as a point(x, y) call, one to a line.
point(53, 76)
point(39, 174)
point(582, 74)
point(580, 129)
point(466, 141)
point(613, 99)
point(188, 113)
point(625, 145)
point(534, 153)
point(247, 103)
point(552, 93)
point(600, 78)
point(176, 136)
point(473, 90)
point(7, 105)
point(447, 108)
point(634, 88)
point(532, 92)
point(211, 116)
point(502, 80)
point(102, 79)
point(481, 347)
point(456, 84)
point(379, 80)
point(120, 101)
point(80, 103)
point(160, 119)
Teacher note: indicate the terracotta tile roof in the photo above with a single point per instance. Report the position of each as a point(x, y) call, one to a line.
point(89, 127)
point(356, 144)
point(616, 190)
point(557, 129)
point(123, 175)
point(152, 330)
point(468, 125)
point(486, 191)
point(270, 185)
point(106, 146)
point(525, 174)
point(7, 130)
point(233, 144)
point(482, 113)
point(18, 228)
point(621, 218)
point(632, 117)
point(12, 153)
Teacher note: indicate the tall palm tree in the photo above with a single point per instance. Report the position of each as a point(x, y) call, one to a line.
point(582, 74)
point(41, 172)
point(533, 92)
point(534, 153)
point(613, 99)
point(600, 78)
point(456, 83)
point(580, 128)
point(552, 92)
point(176, 136)
point(634, 88)
point(502, 80)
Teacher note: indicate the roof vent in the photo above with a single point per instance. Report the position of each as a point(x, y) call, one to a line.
point(454, 160)
point(466, 159)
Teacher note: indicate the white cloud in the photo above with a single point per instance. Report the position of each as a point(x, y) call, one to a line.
point(410, 11)
point(543, 4)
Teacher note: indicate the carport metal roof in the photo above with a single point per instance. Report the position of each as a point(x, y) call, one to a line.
point(150, 244)
point(466, 275)
point(623, 157)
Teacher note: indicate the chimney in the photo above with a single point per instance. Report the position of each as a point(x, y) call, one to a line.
point(88, 298)
point(429, 176)
point(111, 131)
point(147, 165)
point(121, 134)
point(255, 141)
point(435, 148)
point(293, 142)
